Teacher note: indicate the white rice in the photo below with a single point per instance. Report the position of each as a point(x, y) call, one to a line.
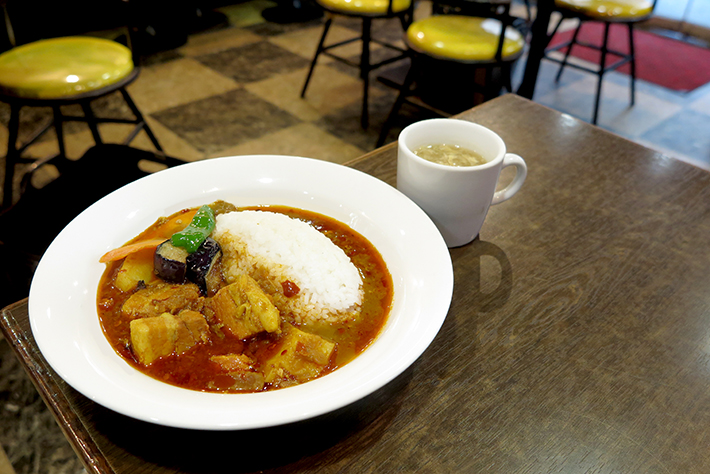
point(273, 247)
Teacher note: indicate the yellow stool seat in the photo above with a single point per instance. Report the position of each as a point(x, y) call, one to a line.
point(463, 38)
point(62, 67)
point(609, 9)
point(367, 7)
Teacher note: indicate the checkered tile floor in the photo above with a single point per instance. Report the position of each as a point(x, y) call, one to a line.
point(236, 90)
point(673, 123)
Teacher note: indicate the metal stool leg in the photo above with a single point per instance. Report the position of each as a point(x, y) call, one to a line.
point(140, 118)
point(91, 121)
point(557, 27)
point(12, 156)
point(59, 130)
point(602, 66)
point(365, 69)
point(507, 77)
point(632, 63)
point(319, 50)
point(403, 92)
point(569, 50)
point(407, 18)
point(487, 90)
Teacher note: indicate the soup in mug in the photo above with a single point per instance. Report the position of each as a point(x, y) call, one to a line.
point(450, 155)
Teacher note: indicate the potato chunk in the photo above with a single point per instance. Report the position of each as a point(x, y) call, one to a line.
point(244, 309)
point(300, 357)
point(239, 372)
point(135, 268)
point(161, 298)
point(160, 336)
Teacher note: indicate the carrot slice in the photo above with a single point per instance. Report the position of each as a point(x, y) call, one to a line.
point(121, 252)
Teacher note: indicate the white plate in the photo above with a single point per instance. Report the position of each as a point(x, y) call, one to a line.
point(62, 304)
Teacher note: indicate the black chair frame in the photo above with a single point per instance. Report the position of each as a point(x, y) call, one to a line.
point(366, 37)
point(29, 226)
point(625, 57)
point(421, 62)
point(14, 152)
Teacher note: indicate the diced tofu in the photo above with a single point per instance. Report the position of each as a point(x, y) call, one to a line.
point(160, 336)
point(244, 309)
point(300, 357)
point(161, 298)
point(239, 369)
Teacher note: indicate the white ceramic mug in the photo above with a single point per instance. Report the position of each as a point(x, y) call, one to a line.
point(455, 198)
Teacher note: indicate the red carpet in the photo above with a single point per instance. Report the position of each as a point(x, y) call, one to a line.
point(664, 61)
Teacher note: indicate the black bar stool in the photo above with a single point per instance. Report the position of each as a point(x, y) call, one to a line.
point(367, 10)
point(57, 72)
point(608, 12)
point(463, 37)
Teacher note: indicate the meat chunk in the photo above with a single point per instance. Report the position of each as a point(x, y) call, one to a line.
point(233, 362)
point(193, 329)
point(244, 309)
point(152, 338)
point(161, 298)
point(301, 357)
point(160, 336)
point(240, 374)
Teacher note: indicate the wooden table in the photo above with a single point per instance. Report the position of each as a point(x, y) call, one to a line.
point(578, 338)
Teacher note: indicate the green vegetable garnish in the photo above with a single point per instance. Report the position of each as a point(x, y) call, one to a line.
point(192, 236)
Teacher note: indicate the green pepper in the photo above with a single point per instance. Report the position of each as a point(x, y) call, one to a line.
point(192, 236)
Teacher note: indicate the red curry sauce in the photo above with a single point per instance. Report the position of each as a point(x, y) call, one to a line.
point(193, 369)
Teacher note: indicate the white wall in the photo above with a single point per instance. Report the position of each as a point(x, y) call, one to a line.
point(691, 11)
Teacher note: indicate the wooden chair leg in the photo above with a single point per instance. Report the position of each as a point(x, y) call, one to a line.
point(569, 50)
point(602, 67)
point(12, 157)
point(319, 50)
point(632, 63)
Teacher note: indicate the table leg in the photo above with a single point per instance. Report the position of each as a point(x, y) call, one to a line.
point(538, 43)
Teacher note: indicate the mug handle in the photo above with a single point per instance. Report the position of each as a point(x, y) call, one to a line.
point(521, 171)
